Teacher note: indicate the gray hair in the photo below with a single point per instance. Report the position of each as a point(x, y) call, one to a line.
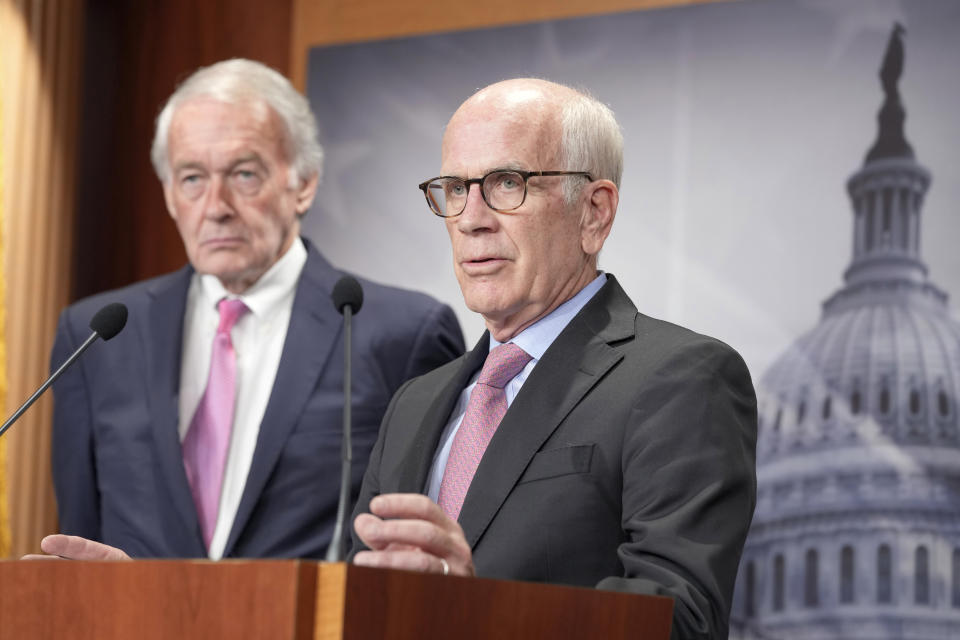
point(246, 82)
point(591, 141)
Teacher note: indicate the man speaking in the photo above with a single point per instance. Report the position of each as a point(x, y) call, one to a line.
point(580, 441)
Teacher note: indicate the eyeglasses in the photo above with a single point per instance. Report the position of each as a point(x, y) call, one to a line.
point(503, 190)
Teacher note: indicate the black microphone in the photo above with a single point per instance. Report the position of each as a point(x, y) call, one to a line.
point(347, 298)
point(347, 293)
point(107, 322)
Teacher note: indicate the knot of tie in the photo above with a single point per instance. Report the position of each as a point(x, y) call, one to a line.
point(503, 363)
point(230, 311)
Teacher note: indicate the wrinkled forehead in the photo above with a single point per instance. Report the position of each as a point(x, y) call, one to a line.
point(209, 120)
point(249, 109)
point(518, 130)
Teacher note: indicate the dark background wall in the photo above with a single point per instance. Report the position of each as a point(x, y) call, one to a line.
point(135, 53)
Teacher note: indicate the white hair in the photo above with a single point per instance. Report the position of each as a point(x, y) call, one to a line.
point(591, 141)
point(246, 82)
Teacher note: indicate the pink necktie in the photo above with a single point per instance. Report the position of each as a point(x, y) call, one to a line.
point(485, 410)
point(208, 438)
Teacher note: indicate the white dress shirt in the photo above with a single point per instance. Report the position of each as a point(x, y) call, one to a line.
point(258, 338)
point(535, 340)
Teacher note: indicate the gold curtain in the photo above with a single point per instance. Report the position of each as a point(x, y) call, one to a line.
point(40, 66)
point(4, 511)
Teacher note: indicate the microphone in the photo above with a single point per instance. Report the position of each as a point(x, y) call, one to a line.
point(347, 293)
point(107, 322)
point(347, 298)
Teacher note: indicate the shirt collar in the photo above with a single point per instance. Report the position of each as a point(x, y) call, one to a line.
point(538, 337)
point(264, 294)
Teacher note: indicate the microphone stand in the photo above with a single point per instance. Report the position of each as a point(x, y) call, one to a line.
point(56, 374)
point(337, 551)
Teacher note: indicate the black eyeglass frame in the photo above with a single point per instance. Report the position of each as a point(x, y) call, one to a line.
point(526, 175)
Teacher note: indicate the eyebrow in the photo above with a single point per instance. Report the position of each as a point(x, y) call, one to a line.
point(183, 166)
point(251, 157)
point(509, 167)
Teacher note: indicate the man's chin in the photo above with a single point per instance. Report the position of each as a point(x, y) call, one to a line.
point(234, 275)
point(485, 305)
point(494, 311)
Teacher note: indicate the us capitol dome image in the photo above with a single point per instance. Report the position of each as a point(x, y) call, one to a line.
point(856, 533)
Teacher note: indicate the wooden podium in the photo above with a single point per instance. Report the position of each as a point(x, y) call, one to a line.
point(290, 599)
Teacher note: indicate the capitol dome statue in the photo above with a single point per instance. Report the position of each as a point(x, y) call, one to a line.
point(856, 533)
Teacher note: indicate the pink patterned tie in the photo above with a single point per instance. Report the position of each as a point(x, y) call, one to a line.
point(485, 410)
point(208, 438)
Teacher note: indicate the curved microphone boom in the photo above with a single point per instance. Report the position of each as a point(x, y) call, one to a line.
point(347, 297)
point(107, 323)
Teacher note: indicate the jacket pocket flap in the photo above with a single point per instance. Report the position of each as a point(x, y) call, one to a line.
point(559, 462)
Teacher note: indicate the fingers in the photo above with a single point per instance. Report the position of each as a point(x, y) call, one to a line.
point(409, 531)
point(77, 548)
point(408, 560)
point(409, 505)
point(367, 528)
point(419, 534)
point(402, 535)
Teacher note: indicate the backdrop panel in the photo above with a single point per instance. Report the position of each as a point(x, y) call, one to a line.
point(750, 211)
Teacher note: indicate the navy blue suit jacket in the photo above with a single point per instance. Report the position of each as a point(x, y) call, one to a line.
point(117, 465)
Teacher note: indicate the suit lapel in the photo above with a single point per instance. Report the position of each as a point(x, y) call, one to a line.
point(420, 457)
point(573, 364)
point(314, 328)
point(162, 329)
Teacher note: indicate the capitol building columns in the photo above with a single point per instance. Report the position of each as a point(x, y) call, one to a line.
point(856, 533)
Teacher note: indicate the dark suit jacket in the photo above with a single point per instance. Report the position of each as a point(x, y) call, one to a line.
point(117, 465)
point(627, 461)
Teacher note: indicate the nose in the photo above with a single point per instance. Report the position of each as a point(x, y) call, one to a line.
point(476, 216)
point(219, 199)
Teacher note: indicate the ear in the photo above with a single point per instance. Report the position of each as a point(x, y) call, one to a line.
point(306, 192)
point(601, 198)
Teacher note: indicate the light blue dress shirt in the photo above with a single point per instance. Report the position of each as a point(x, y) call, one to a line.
point(535, 340)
